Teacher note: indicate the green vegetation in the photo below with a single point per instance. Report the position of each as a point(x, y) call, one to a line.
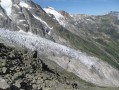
point(108, 52)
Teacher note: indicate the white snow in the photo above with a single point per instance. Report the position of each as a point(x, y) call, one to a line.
point(58, 16)
point(22, 20)
point(21, 31)
point(7, 6)
point(1, 14)
point(24, 4)
point(30, 33)
point(42, 21)
point(51, 10)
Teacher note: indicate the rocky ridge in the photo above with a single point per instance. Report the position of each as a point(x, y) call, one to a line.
point(22, 69)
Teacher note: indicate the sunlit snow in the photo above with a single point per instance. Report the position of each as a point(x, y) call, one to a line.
point(43, 22)
point(24, 4)
point(51, 10)
point(6, 5)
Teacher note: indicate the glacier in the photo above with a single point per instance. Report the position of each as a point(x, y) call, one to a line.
point(85, 66)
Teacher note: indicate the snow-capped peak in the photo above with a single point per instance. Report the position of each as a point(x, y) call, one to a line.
point(52, 11)
point(7, 6)
point(50, 8)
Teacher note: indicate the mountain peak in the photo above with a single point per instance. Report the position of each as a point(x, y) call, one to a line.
point(57, 14)
point(113, 13)
point(48, 7)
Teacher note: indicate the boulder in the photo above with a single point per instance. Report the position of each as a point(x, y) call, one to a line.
point(4, 70)
point(3, 84)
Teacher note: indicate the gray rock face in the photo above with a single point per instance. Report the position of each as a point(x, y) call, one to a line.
point(27, 16)
point(19, 19)
point(16, 1)
point(3, 84)
point(29, 72)
point(3, 18)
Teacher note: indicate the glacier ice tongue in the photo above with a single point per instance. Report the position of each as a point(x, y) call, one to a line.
point(85, 66)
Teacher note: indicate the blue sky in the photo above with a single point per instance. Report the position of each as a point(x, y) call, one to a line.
point(92, 7)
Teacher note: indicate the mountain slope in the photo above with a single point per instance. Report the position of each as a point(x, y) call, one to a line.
point(72, 41)
point(98, 35)
point(22, 69)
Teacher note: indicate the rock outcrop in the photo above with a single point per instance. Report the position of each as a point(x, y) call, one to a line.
point(22, 69)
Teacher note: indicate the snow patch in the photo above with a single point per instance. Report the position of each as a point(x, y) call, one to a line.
point(1, 14)
point(7, 6)
point(38, 18)
point(57, 15)
point(22, 20)
point(30, 33)
point(51, 8)
point(21, 31)
point(24, 4)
